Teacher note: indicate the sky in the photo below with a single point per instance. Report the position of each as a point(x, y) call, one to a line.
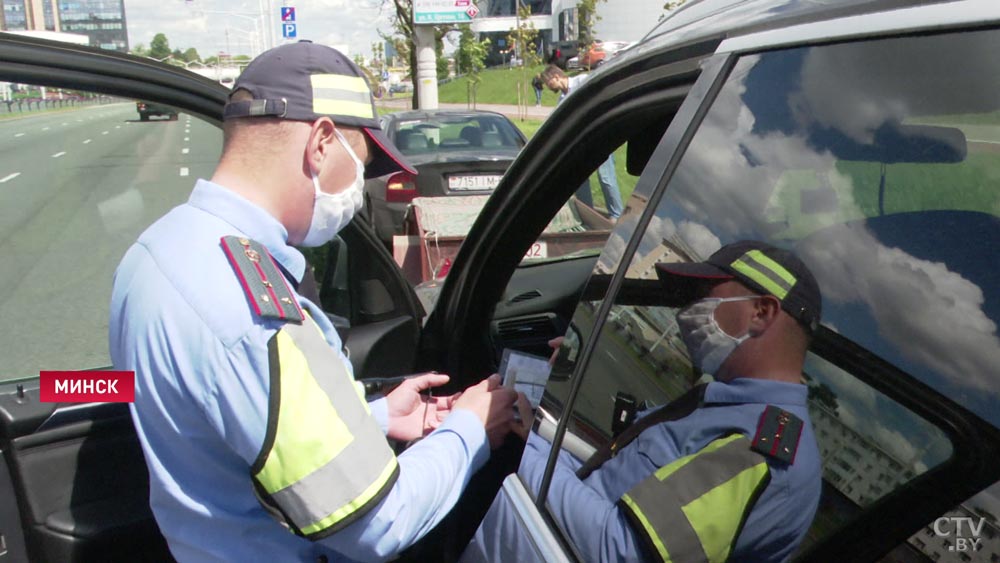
point(198, 23)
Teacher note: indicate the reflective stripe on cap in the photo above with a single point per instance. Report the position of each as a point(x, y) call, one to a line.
point(765, 272)
point(338, 94)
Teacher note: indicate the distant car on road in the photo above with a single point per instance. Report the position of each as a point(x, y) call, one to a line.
point(148, 109)
point(599, 53)
point(456, 153)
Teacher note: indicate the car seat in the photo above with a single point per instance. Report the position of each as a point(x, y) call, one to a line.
point(473, 135)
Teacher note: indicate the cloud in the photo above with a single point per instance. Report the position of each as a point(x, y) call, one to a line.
point(932, 315)
point(699, 238)
point(733, 173)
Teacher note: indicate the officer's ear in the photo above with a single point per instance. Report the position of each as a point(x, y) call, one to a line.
point(321, 141)
point(765, 312)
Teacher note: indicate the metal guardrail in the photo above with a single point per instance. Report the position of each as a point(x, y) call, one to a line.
point(32, 105)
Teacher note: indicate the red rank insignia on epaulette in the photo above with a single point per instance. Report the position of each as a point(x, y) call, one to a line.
point(265, 286)
point(778, 433)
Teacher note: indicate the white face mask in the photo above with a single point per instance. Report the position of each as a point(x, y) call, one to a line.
point(707, 343)
point(332, 212)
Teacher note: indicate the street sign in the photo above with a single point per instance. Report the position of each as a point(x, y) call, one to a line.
point(443, 11)
point(288, 14)
point(288, 31)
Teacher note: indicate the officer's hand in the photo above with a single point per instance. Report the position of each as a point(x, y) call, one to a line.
point(493, 405)
point(527, 415)
point(413, 415)
point(555, 343)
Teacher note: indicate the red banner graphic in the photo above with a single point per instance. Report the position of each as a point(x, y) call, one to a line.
point(87, 386)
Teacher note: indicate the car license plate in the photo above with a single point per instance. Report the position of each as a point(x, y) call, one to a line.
point(537, 250)
point(469, 183)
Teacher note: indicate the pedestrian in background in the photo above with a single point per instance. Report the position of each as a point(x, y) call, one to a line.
point(559, 82)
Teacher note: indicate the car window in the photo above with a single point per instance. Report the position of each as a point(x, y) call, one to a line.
point(882, 178)
point(81, 175)
point(455, 133)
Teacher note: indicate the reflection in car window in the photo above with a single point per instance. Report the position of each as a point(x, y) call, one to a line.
point(82, 176)
point(882, 178)
point(971, 529)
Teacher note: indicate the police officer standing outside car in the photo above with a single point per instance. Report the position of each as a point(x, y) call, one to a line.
point(260, 444)
point(730, 471)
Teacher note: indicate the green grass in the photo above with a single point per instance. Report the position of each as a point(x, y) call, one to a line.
point(496, 86)
point(626, 182)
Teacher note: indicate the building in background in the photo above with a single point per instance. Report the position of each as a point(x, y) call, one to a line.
point(102, 21)
point(557, 20)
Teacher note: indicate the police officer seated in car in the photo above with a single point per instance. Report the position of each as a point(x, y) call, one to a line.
point(728, 471)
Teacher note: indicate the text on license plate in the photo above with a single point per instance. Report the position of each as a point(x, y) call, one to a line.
point(480, 182)
point(537, 250)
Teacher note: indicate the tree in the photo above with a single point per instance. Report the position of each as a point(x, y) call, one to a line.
point(139, 50)
point(586, 12)
point(523, 39)
point(402, 24)
point(470, 58)
point(441, 63)
point(159, 47)
point(670, 6)
point(822, 393)
point(191, 55)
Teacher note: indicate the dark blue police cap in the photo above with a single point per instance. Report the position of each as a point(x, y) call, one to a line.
point(305, 81)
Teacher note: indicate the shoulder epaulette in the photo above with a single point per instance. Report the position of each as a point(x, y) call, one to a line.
point(778, 433)
point(265, 286)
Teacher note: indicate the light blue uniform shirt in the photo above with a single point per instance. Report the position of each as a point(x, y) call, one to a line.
point(181, 320)
point(587, 509)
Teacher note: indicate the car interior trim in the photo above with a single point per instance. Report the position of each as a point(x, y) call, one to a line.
point(944, 16)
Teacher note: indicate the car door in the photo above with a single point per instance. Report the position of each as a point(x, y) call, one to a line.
point(898, 224)
point(81, 175)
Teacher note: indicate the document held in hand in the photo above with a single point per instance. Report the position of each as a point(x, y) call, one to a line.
point(526, 373)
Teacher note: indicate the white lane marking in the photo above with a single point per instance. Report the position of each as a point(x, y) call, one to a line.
point(58, 154)
point(983, 141)
point(184, 171)
point(186, 139)
point(64, 123)
point(79, 121)
point(18, 134)
point(45, 128)
point(87, 141)
point(9, 177)
point(118, 126)
point(104, 132)
point(185, 150)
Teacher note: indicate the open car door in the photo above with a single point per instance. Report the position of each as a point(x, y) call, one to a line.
point(82, 175)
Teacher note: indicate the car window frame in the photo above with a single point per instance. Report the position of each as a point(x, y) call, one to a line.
point(889, 522)
point(55, 64)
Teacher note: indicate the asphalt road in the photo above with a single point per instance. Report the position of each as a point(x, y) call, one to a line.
point(616, 366)
point(76, 189)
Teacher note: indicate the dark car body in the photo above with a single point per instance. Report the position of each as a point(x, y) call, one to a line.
point(150, 109)
point(560, 52)
point(455, 153)
point(861, 134)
